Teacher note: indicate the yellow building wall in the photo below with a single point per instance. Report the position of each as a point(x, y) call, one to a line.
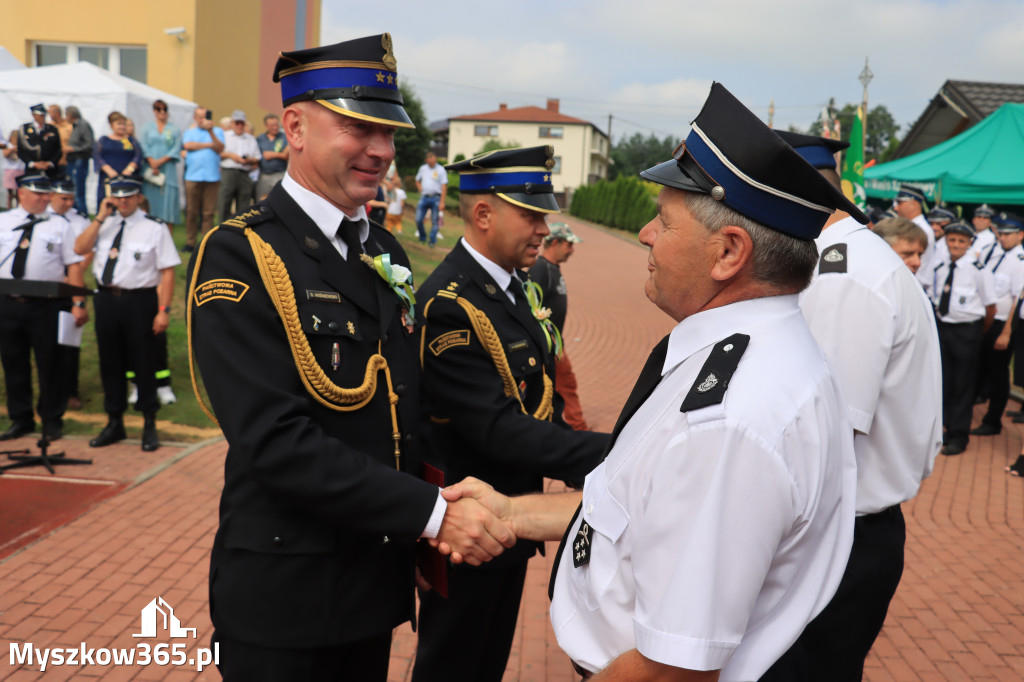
point(573, 147)
point(225, 61)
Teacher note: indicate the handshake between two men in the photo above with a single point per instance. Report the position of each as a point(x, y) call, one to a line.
point(476, 533)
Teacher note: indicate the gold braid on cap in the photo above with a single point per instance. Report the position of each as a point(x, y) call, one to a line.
point(489, 339)
point(279, 287)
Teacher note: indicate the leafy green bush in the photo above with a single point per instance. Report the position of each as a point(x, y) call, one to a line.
point(624, 203)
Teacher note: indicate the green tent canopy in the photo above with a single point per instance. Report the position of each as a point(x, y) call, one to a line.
point(984, 164)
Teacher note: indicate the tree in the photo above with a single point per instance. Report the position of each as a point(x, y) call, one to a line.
point(636, 153)
point(495, 143)
point(411, 144)
point(881, 138)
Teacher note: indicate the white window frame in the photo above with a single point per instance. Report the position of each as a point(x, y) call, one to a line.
point(113, 50)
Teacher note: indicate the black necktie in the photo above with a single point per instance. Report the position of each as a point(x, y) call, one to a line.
point(650, 377)
point(21, 252)
point(115, 250)
point(947, 290)
point(348, 232)
point(999, 262)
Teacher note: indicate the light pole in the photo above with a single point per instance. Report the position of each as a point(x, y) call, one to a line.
point(865, 78)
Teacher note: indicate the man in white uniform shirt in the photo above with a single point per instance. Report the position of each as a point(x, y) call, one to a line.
point(872, 319)
point(720, 523)
point(984, 238)
point(35, 246)
point(134, 256)
point(908, 204)
point(1007, 268)
point(964, 298)
point(240, 157)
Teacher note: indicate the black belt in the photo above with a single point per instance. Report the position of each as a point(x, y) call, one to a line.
point(961, 324)
point(431, 195)
point(887, 514)
point(118, 291)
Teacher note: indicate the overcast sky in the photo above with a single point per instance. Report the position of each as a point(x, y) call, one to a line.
point(650, 63)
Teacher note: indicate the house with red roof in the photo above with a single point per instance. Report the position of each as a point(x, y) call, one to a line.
point(581, 149)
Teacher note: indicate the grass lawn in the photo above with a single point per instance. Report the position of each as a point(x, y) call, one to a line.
point(185, 420)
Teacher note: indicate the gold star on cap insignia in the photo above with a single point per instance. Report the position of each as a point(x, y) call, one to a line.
point(380, 77)
point(546, 178)
point(391, 79)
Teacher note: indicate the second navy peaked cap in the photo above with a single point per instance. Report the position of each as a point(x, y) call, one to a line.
point(519, 176)
point(356, 78)
point(820, 152)
point(733, 156)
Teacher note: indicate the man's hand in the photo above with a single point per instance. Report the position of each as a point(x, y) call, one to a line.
point(161, 322)
point(473, 489)
point(472, 532)
point(81, 315)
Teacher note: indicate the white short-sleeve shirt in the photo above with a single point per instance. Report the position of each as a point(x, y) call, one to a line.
point(972, 290)
point(78, 221)
point(51, 248)
point(928, 257)
point(1007, 268)
point(431, 179)
point(720, 532)
point(878, 330)
point(982, 244)
point(146, 249)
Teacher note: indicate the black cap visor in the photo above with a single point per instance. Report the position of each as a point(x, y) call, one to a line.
point(543, 202)
point(375, 111)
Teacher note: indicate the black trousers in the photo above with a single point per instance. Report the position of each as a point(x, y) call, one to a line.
point(834, 645)
point(994, 374)
point(366, 660)
point(29, 326)
point(960, 345)
point(467, 637)
point(124, 337)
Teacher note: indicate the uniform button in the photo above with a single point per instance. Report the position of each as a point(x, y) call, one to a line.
point(278, 541)
point(408, 438)
point(400, 390)
point(333, 326)
point(386, 540)
point(522, 368)
point(590, 509)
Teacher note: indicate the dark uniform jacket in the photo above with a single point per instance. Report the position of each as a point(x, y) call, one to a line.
point(472, 427)
point(317, 528)
point(40, 144)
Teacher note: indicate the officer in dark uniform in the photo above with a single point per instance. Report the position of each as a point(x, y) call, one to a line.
point(304, 334)
point(492, 412)
point(39, 144)
point(35, 245)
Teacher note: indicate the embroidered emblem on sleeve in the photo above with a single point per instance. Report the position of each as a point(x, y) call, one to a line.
point(449, 340)
point(227, 289)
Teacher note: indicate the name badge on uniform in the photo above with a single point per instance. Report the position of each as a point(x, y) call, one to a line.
point(581, 545)
point(50, 247)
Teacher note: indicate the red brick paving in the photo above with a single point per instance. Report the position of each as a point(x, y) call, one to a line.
point(958, 614)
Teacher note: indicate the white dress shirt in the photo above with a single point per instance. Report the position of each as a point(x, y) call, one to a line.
point(1007, 270)
point(51, 248)
point(878, 330)
point(718, 533)
point(146, 250)
point(982, 244)
point(928, 258)
point(242, 145)
point(972, 290)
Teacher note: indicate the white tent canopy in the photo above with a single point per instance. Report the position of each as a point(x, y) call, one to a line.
point(8, 62)
point(95, 91)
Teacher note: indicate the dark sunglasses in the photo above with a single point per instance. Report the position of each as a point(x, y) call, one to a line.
point(159, 108)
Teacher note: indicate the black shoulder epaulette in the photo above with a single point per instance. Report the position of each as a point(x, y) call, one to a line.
point(1020, 256)
point(833, 259)
point(451, 290)
point(79, 213)
point(260, 213)
point(155, 219)
point(714, 376)
point(980, 266)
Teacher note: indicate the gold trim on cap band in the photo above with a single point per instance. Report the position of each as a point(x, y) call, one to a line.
point(336, 64)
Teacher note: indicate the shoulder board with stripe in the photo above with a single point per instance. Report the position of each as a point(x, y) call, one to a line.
point(451, 290)
point(154, 218)
point(980, 266)
point(260, 213)
point(714, 377)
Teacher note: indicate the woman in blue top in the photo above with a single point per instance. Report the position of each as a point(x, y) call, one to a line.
point(161, 141)
point(116, 154)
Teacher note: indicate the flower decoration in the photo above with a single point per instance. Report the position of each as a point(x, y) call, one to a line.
point(535, 297)
point(399, 278)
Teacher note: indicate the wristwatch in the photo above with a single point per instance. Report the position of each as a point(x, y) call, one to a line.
point(164, 308)
point(79, 304)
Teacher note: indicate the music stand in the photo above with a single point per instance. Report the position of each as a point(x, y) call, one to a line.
point(31, 288)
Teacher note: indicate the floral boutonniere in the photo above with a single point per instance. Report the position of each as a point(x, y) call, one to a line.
point(399, 278)
point(535, 297)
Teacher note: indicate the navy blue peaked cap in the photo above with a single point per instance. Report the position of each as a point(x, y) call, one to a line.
point(959, 227)
point(356, 78)
point(820, 152)
point(940, 213)
point(122, 186)
point(519, 176)
point(64, 186)
point(34, 182)
point(731, 155)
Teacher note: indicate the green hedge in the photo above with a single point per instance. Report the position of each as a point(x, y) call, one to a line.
point(624, 202)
